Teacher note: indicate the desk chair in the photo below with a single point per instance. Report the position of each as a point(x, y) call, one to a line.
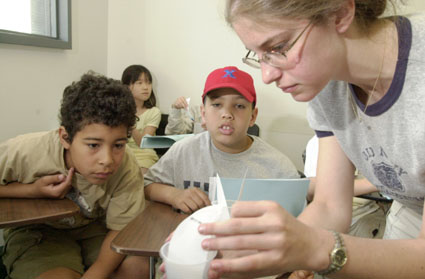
point(162, 124)
point(254, 130)
point(3, 272)
point(376, 196)
point(161, 132)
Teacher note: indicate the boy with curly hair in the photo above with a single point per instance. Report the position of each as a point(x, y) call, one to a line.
point(86, 161)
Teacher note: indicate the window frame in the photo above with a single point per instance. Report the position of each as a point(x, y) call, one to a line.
point(64, 30)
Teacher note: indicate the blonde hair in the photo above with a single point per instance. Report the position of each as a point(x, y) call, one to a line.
point(267, 11)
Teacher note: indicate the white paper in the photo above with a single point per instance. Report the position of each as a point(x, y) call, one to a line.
point(188, 111)
point(221, 198)
point(212, 190)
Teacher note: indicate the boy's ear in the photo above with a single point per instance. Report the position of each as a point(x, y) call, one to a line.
point(253, 117)
point(203, 115)
point(345, 16)
point(64, 137)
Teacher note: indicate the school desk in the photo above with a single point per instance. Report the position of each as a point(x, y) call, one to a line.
point(17, 212)
point(146, 233)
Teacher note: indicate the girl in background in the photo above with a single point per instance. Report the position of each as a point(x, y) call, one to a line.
point(139, 81)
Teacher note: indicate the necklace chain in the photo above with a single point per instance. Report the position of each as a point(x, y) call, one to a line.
point(376, 81)
point(369, 97)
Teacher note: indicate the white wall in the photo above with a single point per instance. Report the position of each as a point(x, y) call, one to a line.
point(32, 79)
point(181, 42)
point(411, 6)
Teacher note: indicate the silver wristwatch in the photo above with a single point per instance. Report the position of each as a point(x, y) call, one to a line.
point(338, 256)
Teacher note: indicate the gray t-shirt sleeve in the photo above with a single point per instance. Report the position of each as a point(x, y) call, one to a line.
point(163, 170)
point(178, 123)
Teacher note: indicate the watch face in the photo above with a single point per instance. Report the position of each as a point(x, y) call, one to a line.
point(338, 257)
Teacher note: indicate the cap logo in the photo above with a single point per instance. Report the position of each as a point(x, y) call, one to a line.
point(229, 73)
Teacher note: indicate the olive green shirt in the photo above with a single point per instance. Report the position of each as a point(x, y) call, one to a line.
point(28, 157)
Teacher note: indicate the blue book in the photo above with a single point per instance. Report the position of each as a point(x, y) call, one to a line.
point(289, 193)
point(149, 141)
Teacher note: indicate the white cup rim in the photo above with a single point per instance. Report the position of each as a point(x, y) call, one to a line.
point(163, 256)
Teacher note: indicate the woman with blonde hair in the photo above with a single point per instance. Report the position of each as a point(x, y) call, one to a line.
point(363, 76)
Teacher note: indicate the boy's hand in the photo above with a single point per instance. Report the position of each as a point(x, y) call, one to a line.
point(190, 200)
point(53, 186)
point(301, 274)
point(180, 103)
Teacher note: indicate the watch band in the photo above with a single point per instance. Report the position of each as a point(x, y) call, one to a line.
point(338, 256)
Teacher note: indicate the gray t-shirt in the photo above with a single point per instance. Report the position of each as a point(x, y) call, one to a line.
point(192, 161)
point(387, 143)
point(181, 121)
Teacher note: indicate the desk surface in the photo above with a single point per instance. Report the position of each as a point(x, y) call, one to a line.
point(17, 212)
point(146, 233)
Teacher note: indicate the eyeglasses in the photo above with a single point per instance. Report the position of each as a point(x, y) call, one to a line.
point(275, 57)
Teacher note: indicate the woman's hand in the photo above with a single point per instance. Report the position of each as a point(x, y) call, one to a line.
point(283, 243)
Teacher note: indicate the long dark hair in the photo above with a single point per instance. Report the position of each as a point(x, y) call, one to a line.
point(131, 74)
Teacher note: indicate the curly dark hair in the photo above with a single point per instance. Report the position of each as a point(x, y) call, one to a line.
point(96, 99)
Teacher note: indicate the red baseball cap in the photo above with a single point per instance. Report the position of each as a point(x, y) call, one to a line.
point(231, 77)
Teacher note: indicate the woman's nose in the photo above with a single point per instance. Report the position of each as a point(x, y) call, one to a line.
point(270, 73)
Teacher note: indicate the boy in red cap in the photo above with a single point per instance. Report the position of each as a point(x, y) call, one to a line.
point(228, 111)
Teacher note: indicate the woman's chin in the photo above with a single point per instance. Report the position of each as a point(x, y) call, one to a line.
point(302, 97)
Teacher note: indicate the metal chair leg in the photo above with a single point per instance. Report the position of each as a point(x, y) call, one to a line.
point(152, 262)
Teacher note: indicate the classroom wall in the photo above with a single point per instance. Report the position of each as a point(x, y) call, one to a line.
point(32, 79)
point(181, 42)
point(411, 6)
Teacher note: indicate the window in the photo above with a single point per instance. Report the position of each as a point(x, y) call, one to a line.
point(45, 23)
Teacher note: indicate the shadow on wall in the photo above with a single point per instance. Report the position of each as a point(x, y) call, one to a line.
point(290, 124)
point(290, 135)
